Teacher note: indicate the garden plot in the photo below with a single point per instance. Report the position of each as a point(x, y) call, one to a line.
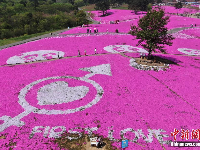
point(115, 14)
point(171, 9)
point(180, 22)
point(123, 27)
point(49, 48)
point(104, 88)
point(70, 45)
point(195, 32)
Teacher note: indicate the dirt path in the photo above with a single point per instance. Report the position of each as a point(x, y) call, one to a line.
point(179, 29)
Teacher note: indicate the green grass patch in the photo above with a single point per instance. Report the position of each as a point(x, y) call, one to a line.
point(91, 7)
point(123, 7)
point(21, 38)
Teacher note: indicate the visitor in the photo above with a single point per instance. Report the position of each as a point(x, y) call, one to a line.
point(144, 55)
point(107, 30)
point(141, 55)
point(79, 54)
point(95, 51)
point(87, 30)
point(90, 31)
point(100, 142)
point(85, 53)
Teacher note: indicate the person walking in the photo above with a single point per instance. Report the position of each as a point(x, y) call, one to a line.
point(85, 53)
point(95, 51)
point(79, 54)
point(100, 142)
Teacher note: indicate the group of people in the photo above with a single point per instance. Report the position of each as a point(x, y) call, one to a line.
point(142, 55)
point(90, 30)
point(85, 52)
point(100, 142)
point(193, 25)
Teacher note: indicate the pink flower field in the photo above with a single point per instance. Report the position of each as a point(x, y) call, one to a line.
point(127, 20)
point(171, 9)
point(123, 27)
point(193, 32)
point(116, 14)
point(47, 89)
point(179, 21)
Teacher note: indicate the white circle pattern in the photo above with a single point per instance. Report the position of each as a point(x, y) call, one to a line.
point(35, 56)
point(22, 101)
point(189, 51)
point(123, 48)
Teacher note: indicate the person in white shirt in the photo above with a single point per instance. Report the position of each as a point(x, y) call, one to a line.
point(95, 51)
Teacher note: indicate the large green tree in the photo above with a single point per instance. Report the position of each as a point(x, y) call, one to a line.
point(102, 5)
point(134, 5)
point(152, 31)
point(81, 18)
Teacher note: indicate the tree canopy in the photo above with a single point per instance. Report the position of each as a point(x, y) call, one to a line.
point(103, 5)
point(178, 5)
point(138, 4)
point(151, 31)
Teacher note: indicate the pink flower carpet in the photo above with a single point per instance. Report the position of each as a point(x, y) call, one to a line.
point(171, 9)
point(58, 84)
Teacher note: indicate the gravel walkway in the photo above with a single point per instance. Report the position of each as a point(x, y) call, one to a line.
point(179, 29)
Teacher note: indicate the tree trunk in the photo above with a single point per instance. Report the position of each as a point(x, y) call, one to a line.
point(149, 55)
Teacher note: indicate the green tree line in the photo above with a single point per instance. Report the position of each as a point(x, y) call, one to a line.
point(32, 16)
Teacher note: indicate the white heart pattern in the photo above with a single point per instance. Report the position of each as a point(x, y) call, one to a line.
point(59, 92)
